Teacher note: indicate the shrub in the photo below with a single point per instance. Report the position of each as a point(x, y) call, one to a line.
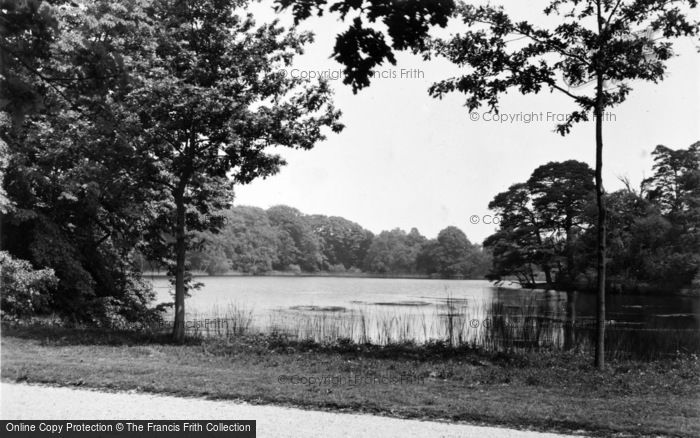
point(337, 269)
point(24, 291)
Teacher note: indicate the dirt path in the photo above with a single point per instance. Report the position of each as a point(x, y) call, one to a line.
point(27, 402)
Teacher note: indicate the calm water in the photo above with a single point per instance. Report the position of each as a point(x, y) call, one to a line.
point(386, 310)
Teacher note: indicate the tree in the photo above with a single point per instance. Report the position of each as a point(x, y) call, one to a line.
point(342, 242)
point(600, 41)
point(28, 30)
point(210, 255)
point(652, 232)
point(211, 103)
point(675, 189)
point(650, 250)
point(541, 223)
point(361, 48)
point(393, 252)
point(453, 255)
point(298, 243)
point(626, 209)
point(520, 240)
point(79, 197)
point(674, 184)
point(604, 42)
point(250, 241)
point(560, 194)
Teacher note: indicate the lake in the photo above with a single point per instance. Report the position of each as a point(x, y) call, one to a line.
point(383, 311)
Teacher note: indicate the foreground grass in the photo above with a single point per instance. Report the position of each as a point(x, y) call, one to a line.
point(553, 392)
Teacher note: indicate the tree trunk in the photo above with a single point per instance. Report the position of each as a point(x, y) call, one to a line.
point(547, 274)
point(570, 325)
point(570, 276)
point(180, 252)
point(600, 201)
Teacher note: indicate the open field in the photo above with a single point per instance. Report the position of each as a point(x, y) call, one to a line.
point(549, 392)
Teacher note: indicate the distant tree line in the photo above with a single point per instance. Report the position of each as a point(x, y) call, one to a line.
point(281, 238)
point(653, 232)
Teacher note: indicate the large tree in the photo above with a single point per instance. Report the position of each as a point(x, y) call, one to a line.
point(77, 191)
point(298, 245)
point(393, 252)
point(605, 42)
point(343, 242)
point(27, 31)
point(212, 102)
point(520, 244)
point(452, 255)
point(561, 192)
point(250, 240)
point(654, 231)
point(608, 43)
point(541, 221)
point(675, 184)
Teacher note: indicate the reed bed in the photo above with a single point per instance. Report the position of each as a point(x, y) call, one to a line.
point(232, 320)
point(526, 326)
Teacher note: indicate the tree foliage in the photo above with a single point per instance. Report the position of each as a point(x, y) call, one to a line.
point(139, 117)
point(652, 232)
point(608, 40)
point(655, 231)
point(541, 222)
point(394, 251)
point(362, 47)
point(344, 243)
point(453, 255)
point(257, 241)
point(609, 43)
point(211, 102)
point(76, 199)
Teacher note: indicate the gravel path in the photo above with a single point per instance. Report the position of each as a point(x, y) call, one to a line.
point(30, 402)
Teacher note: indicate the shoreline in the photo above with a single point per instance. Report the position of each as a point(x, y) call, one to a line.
point(234, 274)
point(646, 290)
point(692, 292)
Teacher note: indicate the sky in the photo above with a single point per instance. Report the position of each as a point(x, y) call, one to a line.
point(408, 160)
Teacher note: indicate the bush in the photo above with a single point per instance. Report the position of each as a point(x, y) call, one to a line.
point(337, 269)
point(24, 291)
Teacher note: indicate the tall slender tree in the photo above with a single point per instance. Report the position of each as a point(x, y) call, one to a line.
point(608, 43)
point(212, 101)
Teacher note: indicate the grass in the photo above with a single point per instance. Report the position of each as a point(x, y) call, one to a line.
point(528, 327)
point(553, 391)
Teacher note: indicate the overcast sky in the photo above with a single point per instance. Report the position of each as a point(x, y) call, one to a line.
point(408, 160)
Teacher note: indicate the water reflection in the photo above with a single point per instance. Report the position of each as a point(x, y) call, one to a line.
point(504, 323)
point(455, 312)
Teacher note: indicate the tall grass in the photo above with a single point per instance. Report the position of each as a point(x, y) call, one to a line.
point(232, 320)
point(526, 326)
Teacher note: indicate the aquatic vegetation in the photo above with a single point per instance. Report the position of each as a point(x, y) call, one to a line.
point(530, 325)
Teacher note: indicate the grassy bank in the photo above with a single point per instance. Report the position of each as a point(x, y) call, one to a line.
point(546, 391)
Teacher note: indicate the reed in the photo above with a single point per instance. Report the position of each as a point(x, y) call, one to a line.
point(527, 325)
